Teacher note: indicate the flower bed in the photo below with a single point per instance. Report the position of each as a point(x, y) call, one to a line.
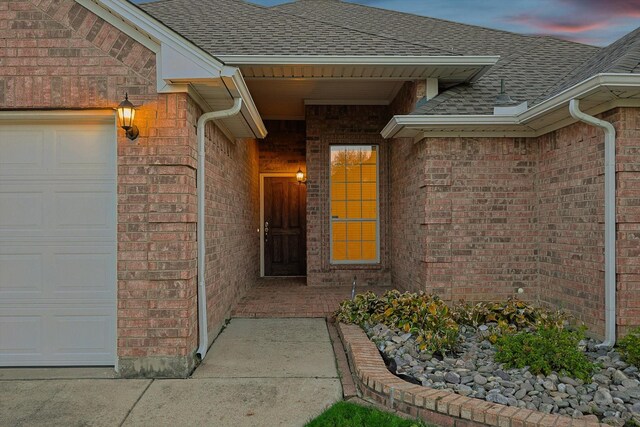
point(611, 392)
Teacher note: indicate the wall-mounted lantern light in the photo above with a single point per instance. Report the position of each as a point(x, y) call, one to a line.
point(300, 177)
point(126, 114)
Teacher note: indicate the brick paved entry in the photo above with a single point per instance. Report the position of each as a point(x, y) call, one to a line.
point(290, 297)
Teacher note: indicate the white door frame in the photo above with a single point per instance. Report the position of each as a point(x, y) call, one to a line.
point(96, 116)
point(262, 177)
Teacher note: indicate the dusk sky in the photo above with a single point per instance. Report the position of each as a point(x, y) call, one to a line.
point(597, 22)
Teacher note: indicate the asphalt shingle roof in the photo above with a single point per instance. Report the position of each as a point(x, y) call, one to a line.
point(234, 27)
point(530, 65)
point(622, 56)
point(534, 68)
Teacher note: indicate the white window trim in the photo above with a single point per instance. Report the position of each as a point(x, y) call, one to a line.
point(356, 262)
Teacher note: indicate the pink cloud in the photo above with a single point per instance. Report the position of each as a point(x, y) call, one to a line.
point(556, 25)
point(608, 8)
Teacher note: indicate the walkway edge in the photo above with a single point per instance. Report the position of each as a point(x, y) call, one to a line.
point(439, 407)
point(345, 372)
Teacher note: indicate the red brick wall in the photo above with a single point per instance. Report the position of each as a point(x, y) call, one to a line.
point(462, 214)
point(284, 148)
point(627, 122)
point(570, 183)
point(341, 125)
point(57, 54)
point(571, 216)
point(481, 217)
point(468, 207)
point(407, 203)
point(232, 220)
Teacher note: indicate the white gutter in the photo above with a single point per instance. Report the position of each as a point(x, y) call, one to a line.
point(357, 60)
point(580, 90)
point(202, 289)
point(609, 218)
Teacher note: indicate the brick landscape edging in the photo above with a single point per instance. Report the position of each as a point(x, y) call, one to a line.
point(440, 407)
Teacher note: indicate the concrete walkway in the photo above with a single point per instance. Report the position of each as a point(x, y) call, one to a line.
point(259, 372)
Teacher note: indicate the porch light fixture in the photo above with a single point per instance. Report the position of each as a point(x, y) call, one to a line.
point(300, 177)
point(126, 114)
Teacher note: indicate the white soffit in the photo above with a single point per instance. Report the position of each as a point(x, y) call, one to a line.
point(597, 94)
point(286, 98)
point(448, 69)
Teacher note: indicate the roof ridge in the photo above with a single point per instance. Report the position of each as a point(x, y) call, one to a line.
point(447, 21)
point(588, 62)
point(384, 36)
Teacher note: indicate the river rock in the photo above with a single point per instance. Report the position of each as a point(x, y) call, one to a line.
point(452, 377)
point(479, 379)
point(602, 397)
point(618, 377)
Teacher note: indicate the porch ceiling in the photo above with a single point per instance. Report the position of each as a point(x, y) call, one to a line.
point(285, 99)
point(282, 85)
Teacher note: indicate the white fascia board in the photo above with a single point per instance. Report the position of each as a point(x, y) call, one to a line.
point(416, 124)
point(237, 87)
point(478, 61)
point(105, 115)
point(347, 102)
point(178, 65)
point(580, 90)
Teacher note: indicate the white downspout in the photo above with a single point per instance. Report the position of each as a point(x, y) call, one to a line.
point(609, 219)
point(202, 289)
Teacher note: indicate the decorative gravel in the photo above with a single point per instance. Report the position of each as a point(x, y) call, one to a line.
point(613, 396)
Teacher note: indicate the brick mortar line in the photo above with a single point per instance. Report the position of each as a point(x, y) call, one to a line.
point(443, 407)
point(68, 26)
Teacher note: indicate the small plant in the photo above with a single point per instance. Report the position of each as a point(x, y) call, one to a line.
point(546, 350)
point(360, 309)
point(425, 316)
point(510, 316)
point(630, 347)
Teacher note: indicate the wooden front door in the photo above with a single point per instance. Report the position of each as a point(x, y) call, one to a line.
point(285, 227)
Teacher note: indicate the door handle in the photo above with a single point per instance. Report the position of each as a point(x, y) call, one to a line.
point(266, 231)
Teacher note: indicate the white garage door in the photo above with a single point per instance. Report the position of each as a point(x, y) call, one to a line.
point(57, 244)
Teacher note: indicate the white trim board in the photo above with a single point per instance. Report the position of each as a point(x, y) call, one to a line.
point(522, 124)
point(358, 60)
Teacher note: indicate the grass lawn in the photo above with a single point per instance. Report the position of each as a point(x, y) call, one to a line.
point(345, 414)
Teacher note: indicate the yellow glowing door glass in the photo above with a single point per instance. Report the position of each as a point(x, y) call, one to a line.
point(354, 204)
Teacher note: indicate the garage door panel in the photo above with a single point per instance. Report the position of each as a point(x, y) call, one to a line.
point(83, 210)
point(57, 270)
point(21, 150)
point(58, 209)
point(83, 275)
point(83, 147)
point(54, 336)
point(21, 209)
point(57, 244)
point(82, 333)
point(21, 336)
point(21, 276)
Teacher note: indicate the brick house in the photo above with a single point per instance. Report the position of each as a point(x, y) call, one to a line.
point(420, 171)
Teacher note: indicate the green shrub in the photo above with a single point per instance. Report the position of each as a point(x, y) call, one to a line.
point(425, 316)
point(545, 350)
point(629, 347)
point(360, 309)
point(511, 315)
